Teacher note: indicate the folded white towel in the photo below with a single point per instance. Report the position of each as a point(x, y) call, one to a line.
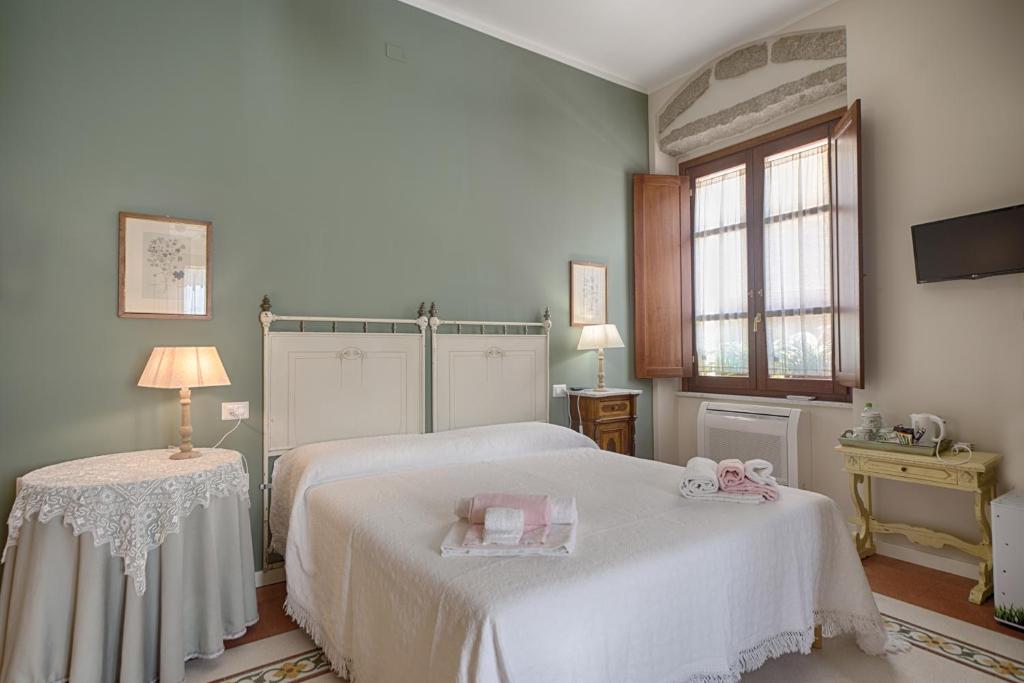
point(562, 509)
point(503, 525)
point(759, 471)
point(748, 498)
point(700, 478)
point(534, 536)
point(466, 540)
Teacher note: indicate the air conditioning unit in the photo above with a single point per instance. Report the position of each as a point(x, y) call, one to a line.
point(775, 434)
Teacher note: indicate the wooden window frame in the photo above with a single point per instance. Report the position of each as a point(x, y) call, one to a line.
point(752, 153)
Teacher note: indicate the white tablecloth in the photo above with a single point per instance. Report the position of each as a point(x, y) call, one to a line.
point(121, 567)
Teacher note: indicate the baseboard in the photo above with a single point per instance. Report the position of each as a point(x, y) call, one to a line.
point(270, 576)
point(943, 563)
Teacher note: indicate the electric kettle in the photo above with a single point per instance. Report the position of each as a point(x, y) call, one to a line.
point(925, 422)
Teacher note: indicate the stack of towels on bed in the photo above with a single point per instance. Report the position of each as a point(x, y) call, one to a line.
point(508, 524)
point(730, 480)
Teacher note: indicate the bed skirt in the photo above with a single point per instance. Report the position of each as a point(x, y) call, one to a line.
point(67, 611)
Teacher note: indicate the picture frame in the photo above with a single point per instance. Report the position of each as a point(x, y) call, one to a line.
point(588, 293)
point(164, 267)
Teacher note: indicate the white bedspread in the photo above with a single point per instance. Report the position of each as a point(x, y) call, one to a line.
point(320, 463)
point(659, 588)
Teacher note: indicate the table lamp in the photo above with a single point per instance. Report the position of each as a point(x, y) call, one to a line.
point(600, 337)
point(184, 367)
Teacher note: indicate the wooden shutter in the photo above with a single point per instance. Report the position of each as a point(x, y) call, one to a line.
point(663, 302)
point(848, 293)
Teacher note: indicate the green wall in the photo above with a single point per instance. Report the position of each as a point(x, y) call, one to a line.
point(338, 181)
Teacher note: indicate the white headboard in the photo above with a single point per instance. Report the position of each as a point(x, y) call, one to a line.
point(488, 372)
point(330, 378)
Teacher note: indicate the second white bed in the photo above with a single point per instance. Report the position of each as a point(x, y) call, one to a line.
point(660, 588)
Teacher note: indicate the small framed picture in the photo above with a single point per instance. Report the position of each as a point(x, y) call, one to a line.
point(588, 293)
point(163, 268)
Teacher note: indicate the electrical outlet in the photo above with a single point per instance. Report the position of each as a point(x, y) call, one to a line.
point(557, 391)
point(239, 410)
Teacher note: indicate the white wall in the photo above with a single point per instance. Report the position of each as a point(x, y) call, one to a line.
point(942, 96)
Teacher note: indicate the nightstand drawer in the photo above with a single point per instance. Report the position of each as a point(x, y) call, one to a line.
point(613, 407)
point(610, 408)
point(909, 472)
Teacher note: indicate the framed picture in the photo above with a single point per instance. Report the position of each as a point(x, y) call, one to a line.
point(588, 293)
point(163, 267)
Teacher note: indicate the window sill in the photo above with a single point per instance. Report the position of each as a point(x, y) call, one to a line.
point(765, 399)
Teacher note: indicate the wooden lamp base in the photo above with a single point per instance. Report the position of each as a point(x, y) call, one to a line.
point(185, 450)
point(600, 372)
point(185, 455)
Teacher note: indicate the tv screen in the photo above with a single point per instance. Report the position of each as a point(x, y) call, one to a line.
point(970, 247)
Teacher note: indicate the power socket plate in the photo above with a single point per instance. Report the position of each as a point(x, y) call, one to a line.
point(237, 410)
point(557, 391)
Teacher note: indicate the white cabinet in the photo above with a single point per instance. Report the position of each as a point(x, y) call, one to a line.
point(1008, 557)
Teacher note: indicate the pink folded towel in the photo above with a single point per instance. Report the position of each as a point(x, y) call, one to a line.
point(732, 478)
point(536, 508)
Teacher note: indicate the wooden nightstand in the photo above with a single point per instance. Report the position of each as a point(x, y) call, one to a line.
point(608, 417)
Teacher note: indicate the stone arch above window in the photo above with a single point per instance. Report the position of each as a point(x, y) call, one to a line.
point(785, 73)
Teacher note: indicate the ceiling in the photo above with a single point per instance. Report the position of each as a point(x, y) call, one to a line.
point(642, 44)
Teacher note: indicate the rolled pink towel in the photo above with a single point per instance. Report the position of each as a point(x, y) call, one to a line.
point(732, 478)
point(536, 508)
point(731, 472)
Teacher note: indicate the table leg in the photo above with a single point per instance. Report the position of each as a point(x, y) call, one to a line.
point(817, 638)
point(983, 589)
point(862, 537)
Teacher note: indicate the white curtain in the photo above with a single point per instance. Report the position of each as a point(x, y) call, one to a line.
point(720, 273)
point(797, 261)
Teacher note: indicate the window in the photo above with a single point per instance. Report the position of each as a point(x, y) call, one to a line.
point(763, 268)
point(798, 263)
point(747, 265)
point(720, 273)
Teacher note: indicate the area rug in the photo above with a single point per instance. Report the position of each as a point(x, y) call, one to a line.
point(944, 650)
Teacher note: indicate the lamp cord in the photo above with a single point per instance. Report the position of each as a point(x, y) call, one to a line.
point(226, 435)
point(579, 415)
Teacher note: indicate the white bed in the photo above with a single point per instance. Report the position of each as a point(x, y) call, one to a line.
point(660, 588)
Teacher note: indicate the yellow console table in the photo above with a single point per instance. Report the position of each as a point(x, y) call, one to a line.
point(977, 476)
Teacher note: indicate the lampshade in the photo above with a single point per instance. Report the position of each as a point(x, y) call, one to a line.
point(178, 367)
point(600, 337)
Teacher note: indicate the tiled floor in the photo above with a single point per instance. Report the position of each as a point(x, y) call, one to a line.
point(928, 588)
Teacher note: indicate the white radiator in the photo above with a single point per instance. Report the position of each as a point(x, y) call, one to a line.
point(732, 430)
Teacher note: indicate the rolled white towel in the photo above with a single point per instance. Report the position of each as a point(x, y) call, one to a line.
point(562, 509)
point(503, 525)
point(700, 478)
point(759, 471)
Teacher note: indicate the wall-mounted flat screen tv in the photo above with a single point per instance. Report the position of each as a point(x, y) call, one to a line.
point(970, 247)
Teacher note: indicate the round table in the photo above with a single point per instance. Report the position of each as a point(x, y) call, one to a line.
point(122, 567)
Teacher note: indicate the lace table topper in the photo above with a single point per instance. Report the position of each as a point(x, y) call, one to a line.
point(131, 501)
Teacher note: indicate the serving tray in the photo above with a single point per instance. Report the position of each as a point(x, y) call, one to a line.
point(922, 450)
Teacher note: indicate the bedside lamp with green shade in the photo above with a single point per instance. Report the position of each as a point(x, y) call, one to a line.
point(182, 368)
point(600, 337)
